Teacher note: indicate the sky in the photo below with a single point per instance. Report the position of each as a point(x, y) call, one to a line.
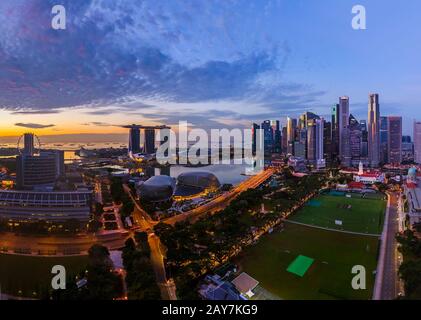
point(213, 63)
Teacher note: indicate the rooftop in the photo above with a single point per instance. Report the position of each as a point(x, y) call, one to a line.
point(244, 283)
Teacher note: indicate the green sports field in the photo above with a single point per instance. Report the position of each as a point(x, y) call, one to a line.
point(357, 214)
point(328, 277)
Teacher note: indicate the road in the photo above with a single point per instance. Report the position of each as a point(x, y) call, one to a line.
point(167, 287)
point(145, 223)
point(140, 216)
point(52, 245)
point(389, 280)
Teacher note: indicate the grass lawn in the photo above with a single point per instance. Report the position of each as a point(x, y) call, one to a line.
point(30, 274)
point(329, 277)
point(356, 214)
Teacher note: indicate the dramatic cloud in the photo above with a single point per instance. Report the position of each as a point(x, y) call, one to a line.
point(99, 124)
point(116, 54)
point(30, 111)
point(34, 125)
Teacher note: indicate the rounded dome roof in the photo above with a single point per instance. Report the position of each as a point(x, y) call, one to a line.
point(201, 179)
point(157, 188)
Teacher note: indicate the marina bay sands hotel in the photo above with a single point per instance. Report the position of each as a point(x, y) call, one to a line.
point(149, 138)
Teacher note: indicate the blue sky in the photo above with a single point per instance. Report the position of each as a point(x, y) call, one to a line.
point(213, 63)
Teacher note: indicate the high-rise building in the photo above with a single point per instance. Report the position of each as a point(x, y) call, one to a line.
point(299, 149)
point(406, 139)
point(309, 116)
point(364, 140)
point(384, 136)
point(300, 143)
point(267, 136)
point(320, 154)
point(302, 123)
point(407, 149)
point(277, 142)
point(311, 141)
point(335, 125)
point(39, 171)
point(134, 139)
point(373, 130)
point(149, 141)
point(355, 139)
point(335, 133)
point(149, 146)
point(343, 127)
point(327, 142)
point(291, 132)
point(417, 142)
point(315, 152)
point(284, 140)
point(254, 137)
point(394, 147)
point(28, 144)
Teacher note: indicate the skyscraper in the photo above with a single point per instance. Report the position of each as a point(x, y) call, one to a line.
point(320, 159)
point(311, 141)
point(276, 129)
point(300, 143)
point(254, 137)
point(335, 132)
point(364, 139)
point(373, 130)
point(417, 142)
point(407, 149)
point(134, 139)
point(355, 139)
point(284, 140)
point(291, 129)
point(307, 116)
point(343, 127)
point(315, 153)
point(327, 142)
point(267, 136)
point(394, 146)
point(384, 136)
point(149, 146)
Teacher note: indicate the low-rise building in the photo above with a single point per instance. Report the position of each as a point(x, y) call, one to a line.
point(215, 288)
point(412, 189)
point(31, 206)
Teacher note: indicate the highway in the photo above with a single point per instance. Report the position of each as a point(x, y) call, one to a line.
point(389, 280)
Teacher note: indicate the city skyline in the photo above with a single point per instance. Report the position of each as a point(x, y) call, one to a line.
point(210, 150)
point(59, 82)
